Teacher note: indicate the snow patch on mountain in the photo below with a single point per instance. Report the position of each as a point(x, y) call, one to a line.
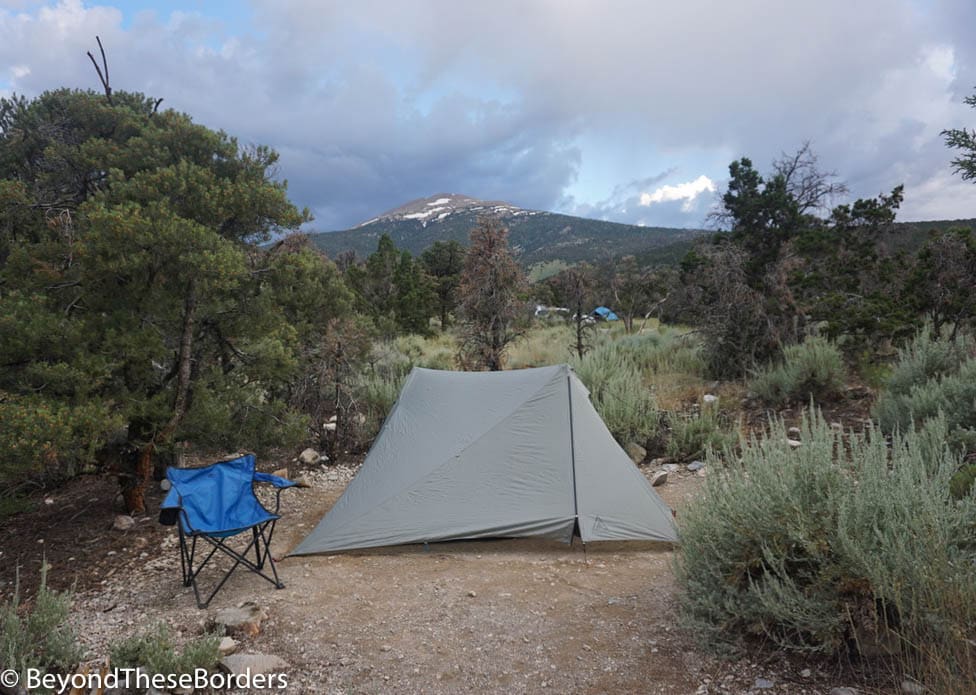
point(438, 207)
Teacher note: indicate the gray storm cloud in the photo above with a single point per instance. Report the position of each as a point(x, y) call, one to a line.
point(375, 103)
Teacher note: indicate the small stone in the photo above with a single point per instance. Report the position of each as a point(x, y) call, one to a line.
point(48, 500)
point(242, 620)
point(837, 426)
point(636, 452)
point(843, 691)
point(763, 684)
point(165, 485)
point(385, 648)
point(793, 432)
point(227, 646)
point(309, 456)
point(806, 673)
point(253, 663)
point(123, 522)
point(659, 478)
point(710, 398)
point(794, 443)
point(695, 466)
point(472, 594)
point(329, 427)
point(670, 467)
point(912, 688)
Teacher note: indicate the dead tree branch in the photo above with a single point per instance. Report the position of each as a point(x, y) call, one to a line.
point(103, 77)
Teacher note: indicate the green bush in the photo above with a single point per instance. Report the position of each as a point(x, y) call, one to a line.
point(618, 393)
point(155, 651)
point(49, 441)
point(931, 377)
point(847, 543)
point(39, 636)
point(693, 436)
point(811, 369)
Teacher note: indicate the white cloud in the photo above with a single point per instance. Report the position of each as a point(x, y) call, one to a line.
point(683, 191)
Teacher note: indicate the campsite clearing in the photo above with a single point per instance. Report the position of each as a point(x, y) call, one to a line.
point(507, 616)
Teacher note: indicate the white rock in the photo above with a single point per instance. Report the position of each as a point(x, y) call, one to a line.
point(329, 427)
point(806, 673)
point(227, 646)
point(912, 688)
point(670, 467)
point(794, 443)
point(309, 456)
point(165, 485)
point(793, 432)
point(636, 452)
point(763, 684)
point(255, 663)
point(843, 691)
point(123, 522)
point(710, 398)
point(695, 466)
point(659, 478)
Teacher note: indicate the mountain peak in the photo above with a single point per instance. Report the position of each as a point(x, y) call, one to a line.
point(441, 205)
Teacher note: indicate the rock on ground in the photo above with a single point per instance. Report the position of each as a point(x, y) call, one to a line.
point(243, 620)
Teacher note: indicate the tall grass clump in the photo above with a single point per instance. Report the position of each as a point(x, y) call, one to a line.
point(618, 393)
point(811, 369)
point(38, 636)
point(542, 346)
point(692, 436)
point(846, 546)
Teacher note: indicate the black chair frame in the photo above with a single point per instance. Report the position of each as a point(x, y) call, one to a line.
point(261, 535)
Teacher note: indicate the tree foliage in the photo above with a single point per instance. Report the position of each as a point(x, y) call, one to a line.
point(963, 139)
point(790, 262)
point(132, 286)
point(490, 297)
point(444, 261)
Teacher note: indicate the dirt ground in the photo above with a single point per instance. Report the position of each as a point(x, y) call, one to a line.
point(506, 616)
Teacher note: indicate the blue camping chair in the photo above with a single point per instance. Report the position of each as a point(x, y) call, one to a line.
point(215, 503)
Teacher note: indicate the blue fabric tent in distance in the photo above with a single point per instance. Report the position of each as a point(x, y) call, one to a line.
point(605, 314)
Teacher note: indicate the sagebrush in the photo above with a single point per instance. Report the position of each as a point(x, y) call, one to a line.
point(811, 369)
point(849, 544)
point(39, 635)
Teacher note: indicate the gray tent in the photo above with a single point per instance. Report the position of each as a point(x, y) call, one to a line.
point(493, 454)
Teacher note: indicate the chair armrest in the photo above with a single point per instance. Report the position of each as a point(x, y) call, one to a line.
point(275, 480)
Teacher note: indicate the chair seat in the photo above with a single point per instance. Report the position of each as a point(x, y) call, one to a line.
point(213, 503)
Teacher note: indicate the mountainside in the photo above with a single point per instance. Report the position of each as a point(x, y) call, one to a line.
point(534, 236)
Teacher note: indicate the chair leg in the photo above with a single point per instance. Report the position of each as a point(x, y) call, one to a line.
point(261, 543)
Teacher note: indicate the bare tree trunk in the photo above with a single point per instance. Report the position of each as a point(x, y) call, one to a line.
point(134, 494)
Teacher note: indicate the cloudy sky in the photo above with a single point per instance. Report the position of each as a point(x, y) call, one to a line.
point(623, 110)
